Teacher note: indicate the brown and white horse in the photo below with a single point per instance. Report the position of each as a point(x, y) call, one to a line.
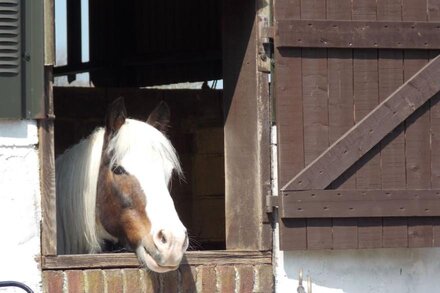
point(113, 186)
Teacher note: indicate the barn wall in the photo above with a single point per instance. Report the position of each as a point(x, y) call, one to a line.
point(362, 271)
point(20, 211)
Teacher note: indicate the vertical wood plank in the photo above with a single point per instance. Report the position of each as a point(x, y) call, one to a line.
point(345, 233)
point(293, 234)
point(315, 102)
point(48, 200)
point(319, 234)
point(289, 115)
point(366, 98)
point(390, 66)
point(341, 118)
point(244, 228)
point(315, 115)
point(417, 133)
point(435, 138)
point(340, 88)
point(434, 15)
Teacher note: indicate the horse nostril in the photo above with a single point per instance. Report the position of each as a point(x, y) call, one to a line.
point(162, 237)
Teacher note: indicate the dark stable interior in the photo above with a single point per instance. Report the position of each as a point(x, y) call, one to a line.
point(151, 43)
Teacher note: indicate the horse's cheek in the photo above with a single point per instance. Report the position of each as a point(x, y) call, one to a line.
point(136, 227)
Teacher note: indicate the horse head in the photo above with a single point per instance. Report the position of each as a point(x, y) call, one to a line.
point(133, 203)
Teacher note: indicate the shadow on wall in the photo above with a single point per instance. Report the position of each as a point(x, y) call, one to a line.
point(17, 129)
point(359, 271)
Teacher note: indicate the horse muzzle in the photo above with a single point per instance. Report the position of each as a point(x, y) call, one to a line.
point(165, 252)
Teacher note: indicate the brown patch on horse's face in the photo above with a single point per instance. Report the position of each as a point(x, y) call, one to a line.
point(121, 206)
point(120, 201)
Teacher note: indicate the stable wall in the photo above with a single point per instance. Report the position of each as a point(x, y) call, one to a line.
point(360, 271)
point(20, 210)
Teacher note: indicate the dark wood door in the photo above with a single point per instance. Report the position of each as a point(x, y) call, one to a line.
point(358, 123)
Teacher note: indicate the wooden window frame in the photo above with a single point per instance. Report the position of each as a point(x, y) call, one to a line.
point(247, 155)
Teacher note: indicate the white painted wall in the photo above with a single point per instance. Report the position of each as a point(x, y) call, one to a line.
point(361, 271)
point(20, 209)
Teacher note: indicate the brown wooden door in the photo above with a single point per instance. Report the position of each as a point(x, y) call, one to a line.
point(358, 123)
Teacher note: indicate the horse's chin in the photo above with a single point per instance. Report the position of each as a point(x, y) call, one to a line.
point(148, 261)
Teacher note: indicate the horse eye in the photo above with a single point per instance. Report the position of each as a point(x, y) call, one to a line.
point(118, 170)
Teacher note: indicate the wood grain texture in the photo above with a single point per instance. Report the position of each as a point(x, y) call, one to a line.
point(48, 200)
point(289, 115)
point(373, 78)
point(315, 116)
point(129, 260)
point(390, 67)
point(244, 228)
point(358, 34)
point(341, 119)
point(360, 203)
point(369, 131)
point(417, 148)
point(434, 15)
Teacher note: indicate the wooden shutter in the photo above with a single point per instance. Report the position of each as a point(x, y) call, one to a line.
point(21, 59)
point(358, 118)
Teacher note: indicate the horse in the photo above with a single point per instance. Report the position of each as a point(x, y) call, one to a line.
point(114, 186)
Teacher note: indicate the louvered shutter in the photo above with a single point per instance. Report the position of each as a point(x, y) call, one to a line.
point(21, 59)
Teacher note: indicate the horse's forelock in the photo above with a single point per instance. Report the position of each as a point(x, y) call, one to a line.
point(140, 137)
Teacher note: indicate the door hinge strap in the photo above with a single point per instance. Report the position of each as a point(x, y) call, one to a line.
point(265, 49)
point(271, 202)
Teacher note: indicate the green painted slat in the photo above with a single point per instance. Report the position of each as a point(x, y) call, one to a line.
point(21, 59)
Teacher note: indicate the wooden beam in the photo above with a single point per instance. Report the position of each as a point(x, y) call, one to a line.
point(74, 49)
point(358, 34)
point(246, 113)
point(369, 131)
point(48, 201)
point(358, 203)
point(129, 260)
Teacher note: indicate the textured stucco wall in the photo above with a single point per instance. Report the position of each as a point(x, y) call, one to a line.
point(20, 209)
point(361, 271)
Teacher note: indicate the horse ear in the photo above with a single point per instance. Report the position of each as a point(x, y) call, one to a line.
point(160, 117)
point(116, 115)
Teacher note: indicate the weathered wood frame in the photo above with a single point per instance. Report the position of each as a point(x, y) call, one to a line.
point(129, 260)
point(248, 229)
point(247, 127)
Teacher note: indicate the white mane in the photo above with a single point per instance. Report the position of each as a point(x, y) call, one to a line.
point(79, 231)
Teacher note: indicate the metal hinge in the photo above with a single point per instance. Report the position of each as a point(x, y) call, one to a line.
point(271, 202)
point(265, 49)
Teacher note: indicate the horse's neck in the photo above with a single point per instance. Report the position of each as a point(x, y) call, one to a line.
point(77, 175)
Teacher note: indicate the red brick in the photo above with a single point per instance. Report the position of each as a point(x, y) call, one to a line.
point(226, 278)
point(53, 281)
point(188, 276)
point(132, 281)
point(246, 275)
point(94, 281)
point(150, 281)
point(206, 279)
point(169, 282)
point(75, 281)
point(264, 282)
point(114, 281)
